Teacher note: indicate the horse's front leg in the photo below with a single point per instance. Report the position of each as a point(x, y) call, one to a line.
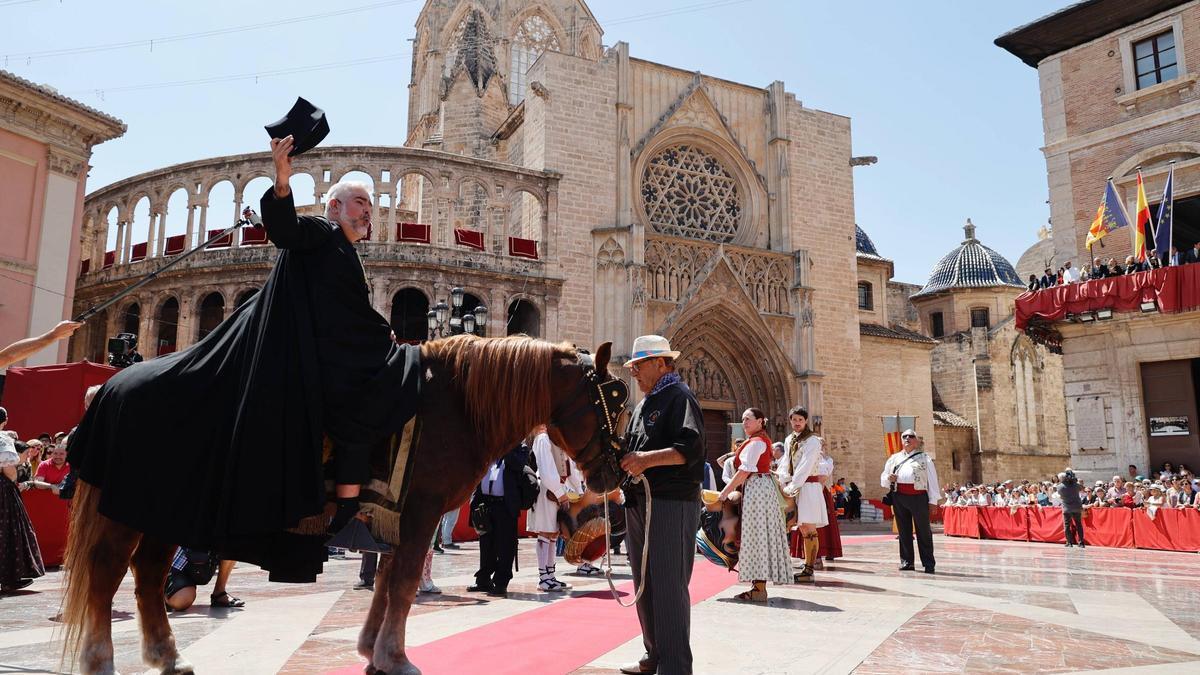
point(401, 589)
point(379, 603)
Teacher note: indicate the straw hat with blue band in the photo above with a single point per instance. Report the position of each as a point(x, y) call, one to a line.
point(651, 347)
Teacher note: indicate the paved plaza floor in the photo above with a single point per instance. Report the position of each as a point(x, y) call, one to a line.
point(993, 607)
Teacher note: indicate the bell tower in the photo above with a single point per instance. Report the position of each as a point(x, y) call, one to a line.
point(469, 65)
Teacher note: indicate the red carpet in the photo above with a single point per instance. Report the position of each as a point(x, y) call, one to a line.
point(570, 633)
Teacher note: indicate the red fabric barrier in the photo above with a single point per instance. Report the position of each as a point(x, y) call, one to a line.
point(1170, 530)
point(110, 257)
point(223, 242)
point(464, 532)
point(416, 233)
point(49, 516)
point(996, 522)
point(1046, 525)
point(887, 510)
point(49, 399)
point(961, 521)
point(1112, 527)
point(1174, 289)
point(138, 252)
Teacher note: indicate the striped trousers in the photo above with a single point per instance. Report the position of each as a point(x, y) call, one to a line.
point(665, 608)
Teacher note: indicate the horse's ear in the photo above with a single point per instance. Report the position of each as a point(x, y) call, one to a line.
point(603, 353)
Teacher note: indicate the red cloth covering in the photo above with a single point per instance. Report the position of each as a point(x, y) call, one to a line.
point(415, 233)
point(887, 510)
point(1170, 530)
point(85, 265)
point(138, 253)
point(997, 522)
point(469, 238)
point(49, 399)
point(223, 242)
point(1174, 289)
point(254, 236)
point(829, 536)
point(464, 532)
point(961, 521)
point(49, 516)
point(175, 244)
point(1046, 525)
point(1112, 527)
point(523, 248)
point(110, 258)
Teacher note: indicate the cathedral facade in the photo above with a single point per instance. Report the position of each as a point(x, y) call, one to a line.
point(586, 195)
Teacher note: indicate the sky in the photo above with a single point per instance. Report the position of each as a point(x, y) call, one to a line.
point(954, 120)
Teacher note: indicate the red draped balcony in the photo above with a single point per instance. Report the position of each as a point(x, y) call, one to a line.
point(1167, 290)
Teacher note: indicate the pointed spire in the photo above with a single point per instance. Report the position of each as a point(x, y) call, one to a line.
point(969, 230)
point(475, 54)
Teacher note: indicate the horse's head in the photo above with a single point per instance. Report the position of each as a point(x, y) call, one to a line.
point(587, 416)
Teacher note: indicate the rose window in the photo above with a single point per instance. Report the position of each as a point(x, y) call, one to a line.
point(688, 193)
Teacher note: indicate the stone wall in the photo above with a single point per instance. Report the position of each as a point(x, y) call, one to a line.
point(956, 444)
point(900, 384)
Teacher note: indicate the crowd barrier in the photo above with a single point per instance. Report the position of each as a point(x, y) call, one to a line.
point(1169, 530)
point(48, 514)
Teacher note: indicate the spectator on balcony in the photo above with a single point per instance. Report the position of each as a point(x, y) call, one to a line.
point(1193, 256)
point(1033, 284)
point(1049, 278)
point(1174, 258)
point(1070, 275)
point(1132, 266)
point(1115, 270)
point(1153, 261)
point(1099, 269)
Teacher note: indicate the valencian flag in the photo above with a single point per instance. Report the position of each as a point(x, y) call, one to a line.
point(892, 426)
point(1143, 230)
point(1110, 216)
point(1166, 212)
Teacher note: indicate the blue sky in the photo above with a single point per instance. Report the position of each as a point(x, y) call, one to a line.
point(955, 121)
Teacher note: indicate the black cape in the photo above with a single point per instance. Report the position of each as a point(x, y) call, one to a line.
point(219, 446)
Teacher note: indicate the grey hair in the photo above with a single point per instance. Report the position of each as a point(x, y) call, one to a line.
point(341, 188)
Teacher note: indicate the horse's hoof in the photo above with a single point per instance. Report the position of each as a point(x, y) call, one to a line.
point(181, 667)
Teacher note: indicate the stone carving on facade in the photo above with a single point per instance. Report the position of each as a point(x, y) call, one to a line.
point(705, 379)
point(610, 255)
point(637, 285)
point(675, 264)
point(65, 163)
point(687, 192)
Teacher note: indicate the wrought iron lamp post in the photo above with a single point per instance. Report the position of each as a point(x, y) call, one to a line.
point(449, 319)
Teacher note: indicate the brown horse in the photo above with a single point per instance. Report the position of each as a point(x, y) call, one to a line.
point(480, 397)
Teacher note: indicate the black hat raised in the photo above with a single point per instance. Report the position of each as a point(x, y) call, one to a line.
point(305, 123)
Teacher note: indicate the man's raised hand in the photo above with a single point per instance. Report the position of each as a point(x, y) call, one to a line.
point(280, 147)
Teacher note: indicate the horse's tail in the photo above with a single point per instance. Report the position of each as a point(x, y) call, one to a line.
point(85, 533)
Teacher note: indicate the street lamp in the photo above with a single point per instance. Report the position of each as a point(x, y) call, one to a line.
point(449, 319)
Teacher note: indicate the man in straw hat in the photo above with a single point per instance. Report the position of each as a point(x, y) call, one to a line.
point(666, 448)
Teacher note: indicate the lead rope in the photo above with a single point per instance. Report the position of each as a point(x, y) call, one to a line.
point(645, 547)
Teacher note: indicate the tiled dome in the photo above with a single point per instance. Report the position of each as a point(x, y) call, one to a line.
point(971, 265)
point(863, 243)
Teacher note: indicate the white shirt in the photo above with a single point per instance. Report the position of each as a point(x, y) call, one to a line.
point(1070, 275)
point(908, 473)
point(751, 453)
point(547, 469)
point(492, 484)
point(810, 456)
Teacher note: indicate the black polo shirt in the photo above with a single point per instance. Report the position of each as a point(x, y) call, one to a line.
point(669, 419)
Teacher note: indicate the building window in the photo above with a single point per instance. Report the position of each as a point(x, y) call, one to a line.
point(979, 318)
point(954, 463)
point(865, 301)
point(936, 328)
point(1154, 59)
point(533, 37)
point(688, 193)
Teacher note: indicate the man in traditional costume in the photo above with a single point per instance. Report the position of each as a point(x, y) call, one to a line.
point(913, 477)
point(245, 411)
point(804, 452)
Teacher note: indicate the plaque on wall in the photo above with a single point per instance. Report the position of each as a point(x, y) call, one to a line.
point(1170, 426)
point(1090, 432)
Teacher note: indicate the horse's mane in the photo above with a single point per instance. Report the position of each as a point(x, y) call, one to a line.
point(510, 373)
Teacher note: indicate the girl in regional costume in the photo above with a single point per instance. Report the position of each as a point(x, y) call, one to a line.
point(804, 450)
point(763, 555)
point(829, 537)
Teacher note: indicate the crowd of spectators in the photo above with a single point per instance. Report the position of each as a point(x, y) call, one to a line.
point(1102, 268)
point(1169, 487)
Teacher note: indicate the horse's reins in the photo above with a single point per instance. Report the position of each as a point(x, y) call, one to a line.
point(607, 401)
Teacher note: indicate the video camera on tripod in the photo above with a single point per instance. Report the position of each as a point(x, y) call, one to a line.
point(122, 350)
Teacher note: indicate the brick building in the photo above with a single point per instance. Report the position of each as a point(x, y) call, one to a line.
point(1118, 94)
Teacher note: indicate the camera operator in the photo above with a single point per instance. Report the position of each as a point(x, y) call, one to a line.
point(122, 351)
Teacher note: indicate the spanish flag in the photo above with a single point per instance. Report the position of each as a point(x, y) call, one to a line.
point(1143, 229)
point(1110, 216)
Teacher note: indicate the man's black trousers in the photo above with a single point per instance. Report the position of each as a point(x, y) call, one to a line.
point(913, 511)
point(497, 546)
point(1073, 521)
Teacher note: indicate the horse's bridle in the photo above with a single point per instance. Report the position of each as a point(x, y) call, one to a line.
point(604, 399)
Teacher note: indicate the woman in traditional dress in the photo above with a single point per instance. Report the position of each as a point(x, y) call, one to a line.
point(829, 536)
point(543, 517)
point(20, 557)
point(763, 555)
point(804, 450)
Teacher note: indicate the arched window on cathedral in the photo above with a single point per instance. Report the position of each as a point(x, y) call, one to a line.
point(1027, 380)
point(865, 301)
point(534, 36)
